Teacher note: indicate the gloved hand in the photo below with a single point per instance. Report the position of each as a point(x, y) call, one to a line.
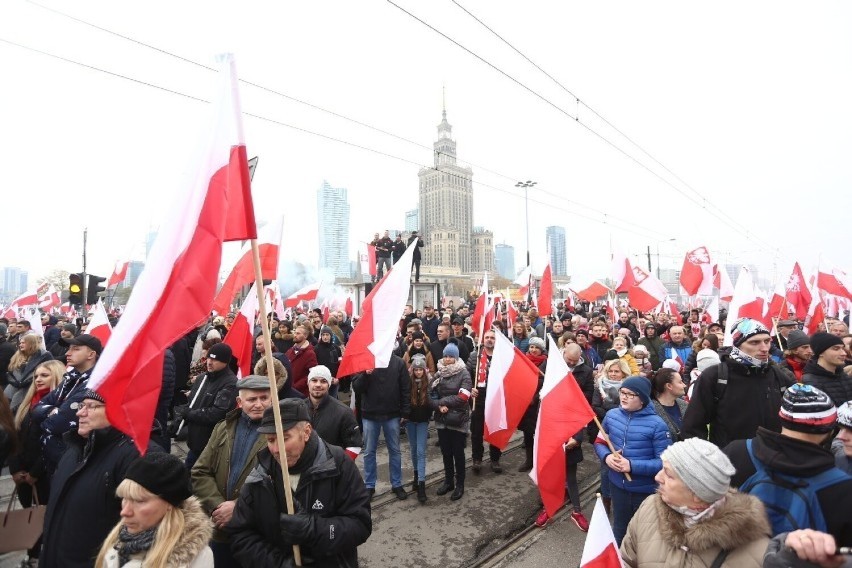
point(180, 412)
point(296, 528)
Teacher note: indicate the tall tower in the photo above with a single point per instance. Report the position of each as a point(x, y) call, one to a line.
point(333, 224)
point(505, 261)
point(446, 207)
point(558, 252)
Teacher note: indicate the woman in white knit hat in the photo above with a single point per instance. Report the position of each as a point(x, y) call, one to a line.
point(696, 519)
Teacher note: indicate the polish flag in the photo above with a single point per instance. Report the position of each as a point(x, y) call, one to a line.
point(241, 335)
point(512, 382)
point(371, 259)
point(307, 294)
point(347, 307)
point(352, 451)
point(49, 299)
point(511, 316)
point(722, 281)
point(563, 412)
point(545, 293)
point(816, 315)
point(480, 311)
point(242, 273)
point(523, 280)
point(711, 312)
point(833, 283)
point(28, 298)
point(591, 292)
point(777, 307)
point(611, 309)
point(622, 272)
point(119, 273)
point(647, 291)
point(34, 317)
point(99, 325)
point(696, 275)
point(744, 304)
point(176, 289)
point(798, 295)
point(371, 344)
point(600, 549)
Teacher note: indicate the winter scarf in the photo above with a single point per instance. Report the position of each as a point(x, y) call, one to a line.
point(130, 544)
point(746, 360)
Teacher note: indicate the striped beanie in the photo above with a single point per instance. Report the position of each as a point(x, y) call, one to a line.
point(805, 408)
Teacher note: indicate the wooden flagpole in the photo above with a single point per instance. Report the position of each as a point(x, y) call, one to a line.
point(609, 445)
point(273, 387)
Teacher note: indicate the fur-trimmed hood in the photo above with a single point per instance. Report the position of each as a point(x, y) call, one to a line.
point(741, 520)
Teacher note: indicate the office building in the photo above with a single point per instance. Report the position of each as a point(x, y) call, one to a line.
point(556, 250)
point(505, 260)
point(333, 230)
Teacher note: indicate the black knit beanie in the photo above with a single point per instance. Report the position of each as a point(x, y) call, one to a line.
point(162, 474)
point(822, 341)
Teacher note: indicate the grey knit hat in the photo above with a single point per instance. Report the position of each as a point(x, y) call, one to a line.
point(796, 339)
point(538, 342)
point(702, 467)
point(418, 361)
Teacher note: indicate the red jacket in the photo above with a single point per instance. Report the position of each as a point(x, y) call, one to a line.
point(301, 361)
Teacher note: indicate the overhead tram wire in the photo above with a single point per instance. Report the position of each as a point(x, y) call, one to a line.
point(593, 111)
point(513, 179)
point(606, 220)
point(734, 225)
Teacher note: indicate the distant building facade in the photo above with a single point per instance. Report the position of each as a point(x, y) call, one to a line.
point(482, 251)
point(505, 260)
point(14, 282)
point(333, 230)
point(412, 220)
point(558, 252)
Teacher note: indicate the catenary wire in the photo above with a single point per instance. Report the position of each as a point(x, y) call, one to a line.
point(606, 220)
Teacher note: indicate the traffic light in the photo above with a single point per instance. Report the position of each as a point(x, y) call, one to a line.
point(93, 289)
point(75, 289)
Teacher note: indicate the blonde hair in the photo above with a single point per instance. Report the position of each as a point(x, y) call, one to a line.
point(169, 531)
point(20, 358)
point(57, 370)
point(622, 364)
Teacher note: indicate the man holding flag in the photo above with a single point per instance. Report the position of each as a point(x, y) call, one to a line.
point(478, 365)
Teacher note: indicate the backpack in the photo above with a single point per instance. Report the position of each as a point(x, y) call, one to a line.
point(791, 502)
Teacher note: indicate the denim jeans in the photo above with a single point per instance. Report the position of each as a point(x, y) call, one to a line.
point(624, 506)
point(417, 442)
point(372, 428)
point(191, 458)
point(381, 262)
point(605, 484)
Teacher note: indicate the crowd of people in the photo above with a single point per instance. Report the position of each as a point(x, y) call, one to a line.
point(709, 455)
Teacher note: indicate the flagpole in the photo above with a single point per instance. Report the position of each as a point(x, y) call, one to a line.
point(273, 387)
point(609, 445)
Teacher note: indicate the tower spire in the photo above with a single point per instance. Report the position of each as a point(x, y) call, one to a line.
point(444, 100)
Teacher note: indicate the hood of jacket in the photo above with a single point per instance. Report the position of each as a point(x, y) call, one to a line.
point(789, 455)
point(196, 533)
point(814, 368)
point(741, 520)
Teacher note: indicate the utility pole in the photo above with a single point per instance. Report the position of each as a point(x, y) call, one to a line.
point(84, 284)
point(649, 259)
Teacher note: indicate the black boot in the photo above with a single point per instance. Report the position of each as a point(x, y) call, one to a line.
point(459, 491)
point(421, 491)
point(446, 486)
point(528, 464)
point(415, 482)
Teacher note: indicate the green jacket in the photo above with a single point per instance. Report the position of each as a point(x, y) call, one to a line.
point(210, 472)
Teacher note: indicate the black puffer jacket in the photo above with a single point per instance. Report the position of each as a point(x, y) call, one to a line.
point(331, 490)
point(750, 399)
point(837, 385)
point(83, 507)
point(218, 396)
point(385, 393)
point(335, 423)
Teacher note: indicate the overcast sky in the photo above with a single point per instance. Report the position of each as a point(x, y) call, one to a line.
point(745, 105)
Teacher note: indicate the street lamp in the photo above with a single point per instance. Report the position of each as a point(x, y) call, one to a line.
point(527, 185)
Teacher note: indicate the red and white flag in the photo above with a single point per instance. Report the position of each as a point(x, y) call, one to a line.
point(696, 275)
point(28, 298)
point(744, 304)
point(523, 280)
point(49, 299)
point(512, 382)
point(834, 283)
point(600, 549)
point(371, 260)
point(545, 293)
point(798, 295)
point(119, 273)
point(347, 307)
point(99, 325)
point(722, 281)
point(307, 294)
point(176, 289)
point(242, 273)
point(241, 334)
point(563, 412)
point(622, 272)
point(511, 316)
point(711, 312)
point(591, 292)
point(371, 344)
point(816, 315)
point(480, 311)
point(647, 291)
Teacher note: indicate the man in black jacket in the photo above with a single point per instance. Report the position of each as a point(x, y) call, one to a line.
point(800, 452)
point(331, 419)
point(416, 257)
point(445, 335)
point(825, 369)
point(741, 393)
point(385, 399)
point(332, 507)
point(212, 397)
point(478, 365)
point(83, 507)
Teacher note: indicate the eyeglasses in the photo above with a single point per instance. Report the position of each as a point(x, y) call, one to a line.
point(626, 394)
point(87, 405)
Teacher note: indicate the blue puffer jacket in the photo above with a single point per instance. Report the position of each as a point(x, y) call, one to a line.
point(643, 436)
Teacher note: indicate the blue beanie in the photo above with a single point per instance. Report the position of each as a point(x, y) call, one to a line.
point(451, 351)
point(641, 386)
